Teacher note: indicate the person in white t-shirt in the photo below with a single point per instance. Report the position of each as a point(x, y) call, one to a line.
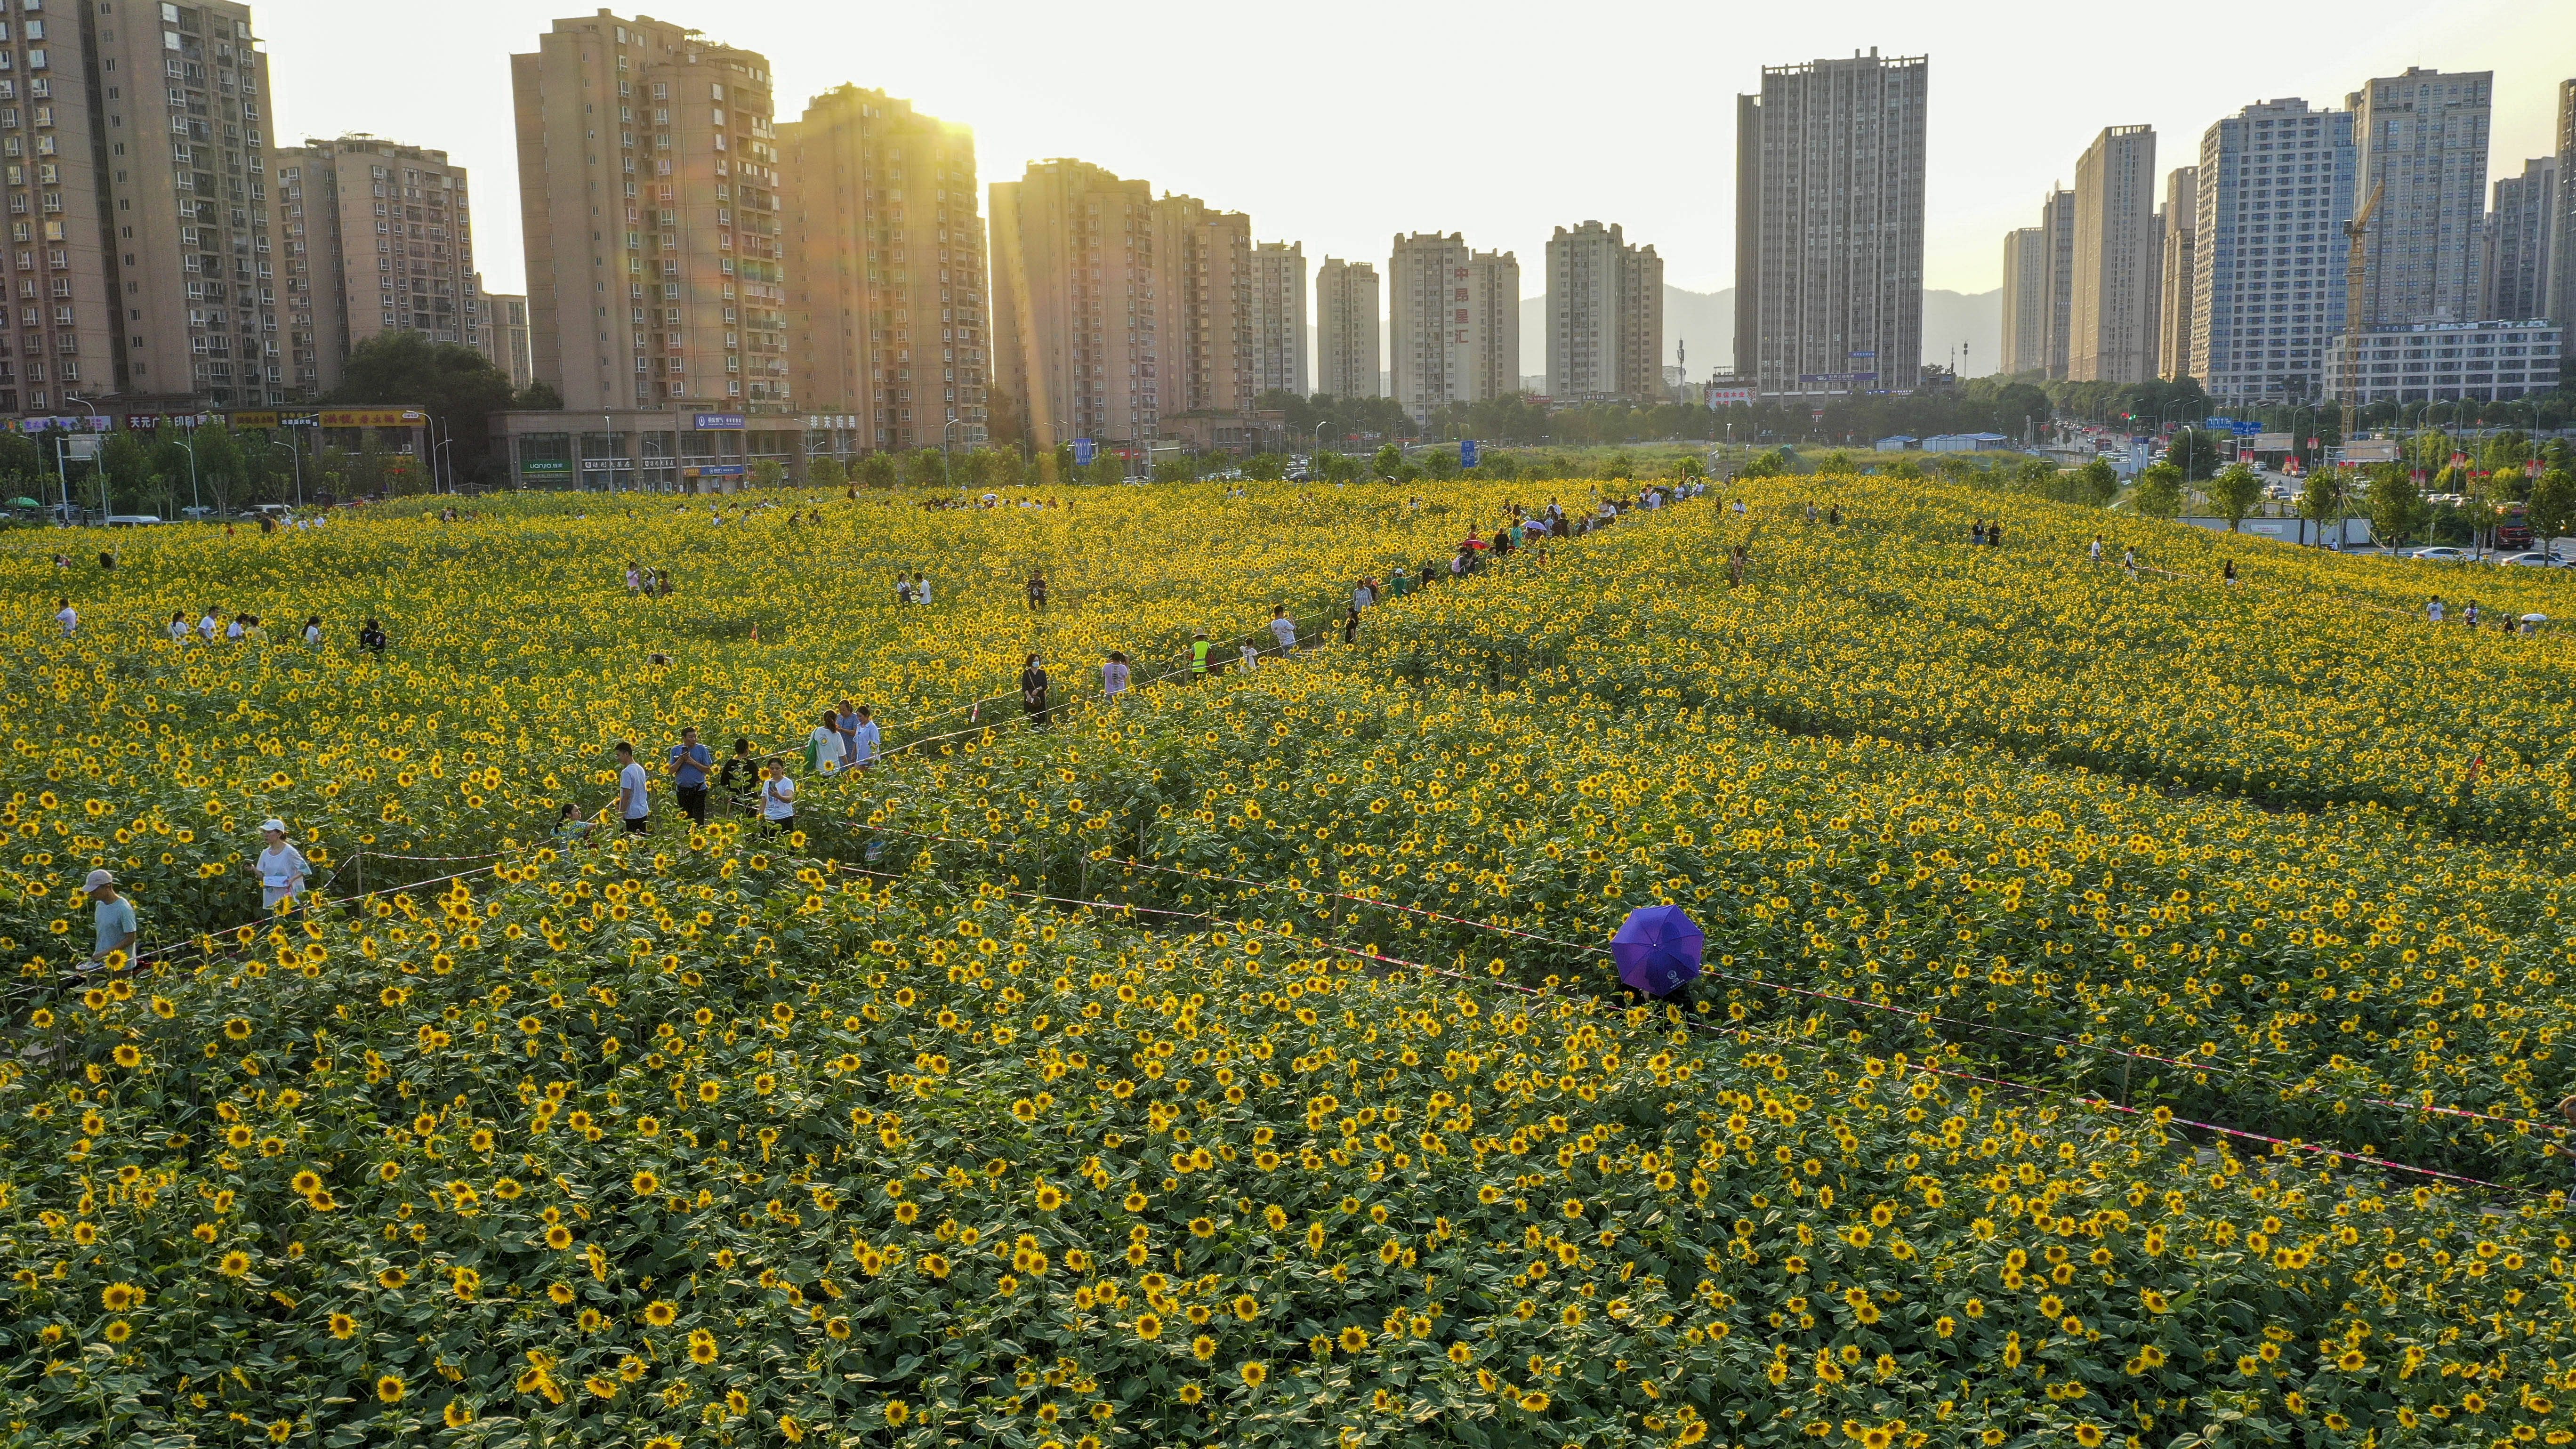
point(777, 799)
point(67, 616)
point(633, 805)
point(179, 627)
point(209, 626)
point(282, 868)
point(1283, 628)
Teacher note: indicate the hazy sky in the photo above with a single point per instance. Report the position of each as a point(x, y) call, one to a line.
point(1340, 124)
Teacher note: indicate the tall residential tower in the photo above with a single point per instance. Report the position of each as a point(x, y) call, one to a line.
point(1453, 322)
point(1074, 303)
point(1279, 318)
point(2274, 187)
point(886, 307)
point(2421, 142)
point(1829, 239)
point(2111, 332)
point(1346, 329)
point(379, 238)
point(1605, 316)
point(648, 197)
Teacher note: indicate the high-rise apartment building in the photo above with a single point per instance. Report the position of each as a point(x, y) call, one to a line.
point(1346, 329)
point(2275, 185)
point(1829, 226)
point(1605, 316)
point(505, 333)
point(1453, 322)
point(648, 196)
point(1074, 303)
point(886, 303)
point(2421, 141)
point(2180, 216)
point(2025, 289)
point(379, 238)
point(2519, 241)
point(140, 263)
point(1279, 318)
point(2562, 244)
point(1203, 301)
point(2111, 329)
point(2057, 307)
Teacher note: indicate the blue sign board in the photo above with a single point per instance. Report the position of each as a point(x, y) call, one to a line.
point(705, 421)
point(1860, 354)
point(1466, 452)
point(1838, 377)
point(1082, 449)
point(722, 470)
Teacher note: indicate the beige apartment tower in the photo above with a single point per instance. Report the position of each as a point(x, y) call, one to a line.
point(1074, 303)
point(2057, 308)
point(2110, 329)
point(2025, 291)
point(505, 334)
point(886, 304)
point(379, 238)
point(1346, 329)
point(140, 266)
point(1203, 303)
point(1605, 316)
point(648, 195)
point(2175, 286)
point(1279, 319)
point(1453, 322)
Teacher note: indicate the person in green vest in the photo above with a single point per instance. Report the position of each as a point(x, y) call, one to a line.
point(1199, 648)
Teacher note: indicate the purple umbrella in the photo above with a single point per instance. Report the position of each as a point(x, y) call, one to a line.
point(1657, 949)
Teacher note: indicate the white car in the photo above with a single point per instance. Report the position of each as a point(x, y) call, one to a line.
point(2534, 560)
point(2442, 554)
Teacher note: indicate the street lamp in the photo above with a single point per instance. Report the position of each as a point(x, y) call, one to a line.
point(105, 505)
point(191, 450)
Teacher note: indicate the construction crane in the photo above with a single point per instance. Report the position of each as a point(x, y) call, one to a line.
point(2354, 231)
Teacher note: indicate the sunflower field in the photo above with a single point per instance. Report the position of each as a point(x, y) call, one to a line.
point(2131, 1009)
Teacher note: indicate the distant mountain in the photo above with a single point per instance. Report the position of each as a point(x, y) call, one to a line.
point(1705, 323)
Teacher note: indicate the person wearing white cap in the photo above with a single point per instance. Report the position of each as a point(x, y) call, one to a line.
point(116, 924)
point(282, 867)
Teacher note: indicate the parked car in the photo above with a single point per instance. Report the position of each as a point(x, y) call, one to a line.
point(132, 520)
point(2442, 553)
point(2533, 559)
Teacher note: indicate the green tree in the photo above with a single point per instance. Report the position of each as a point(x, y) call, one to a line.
point(2234, 492)
point(2097, 482)
point(1499, 465)
point(1389, 461)
point(826, 472)
point(767, 473)
point(1440, 462)
point(2159, 490)
point(2195, 451)
point(219, 463)
point(127, 465)
point(21, 461)
point(2553, 506)
point(926, 468)
point(1176, 468)
point(876, 470)
point(2321, 498)
point(1688, 466)
point(1106, 469)
point(538, 397)
point(456, 385)
point(2396, 508)
point(1266, 467)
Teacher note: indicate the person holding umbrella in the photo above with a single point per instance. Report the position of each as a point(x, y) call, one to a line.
point(1658, 951)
